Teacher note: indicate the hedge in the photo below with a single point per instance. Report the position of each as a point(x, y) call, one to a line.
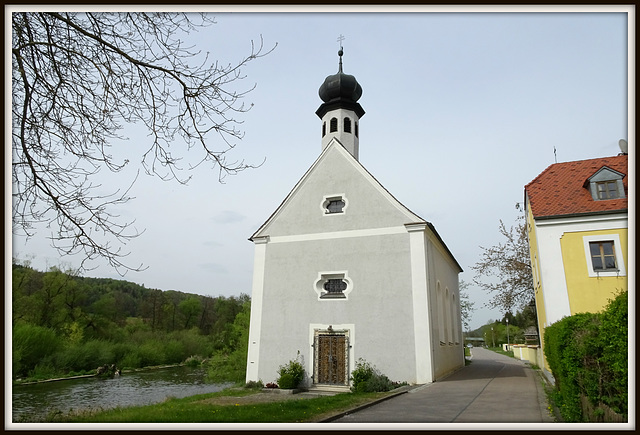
point(587, 354)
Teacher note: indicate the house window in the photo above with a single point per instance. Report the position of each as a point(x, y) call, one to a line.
point(603, 256)
point(333, 125)
point(607, 190)
point(347, 125)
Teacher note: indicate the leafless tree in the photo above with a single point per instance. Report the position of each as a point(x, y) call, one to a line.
point(466, 306)
point(77, 80)
point(508, 267)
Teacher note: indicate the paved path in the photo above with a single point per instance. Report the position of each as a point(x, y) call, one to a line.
point(492, 389)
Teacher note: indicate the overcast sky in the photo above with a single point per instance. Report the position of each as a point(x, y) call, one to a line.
point(462, 110)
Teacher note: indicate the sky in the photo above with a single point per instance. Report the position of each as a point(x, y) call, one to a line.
point(463, 109)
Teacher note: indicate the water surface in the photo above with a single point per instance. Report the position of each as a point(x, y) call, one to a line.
point(33, 402)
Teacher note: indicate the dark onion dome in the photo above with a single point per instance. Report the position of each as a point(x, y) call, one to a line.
point(340, 91)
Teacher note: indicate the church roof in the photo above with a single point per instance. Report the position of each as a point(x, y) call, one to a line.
point(562, 189)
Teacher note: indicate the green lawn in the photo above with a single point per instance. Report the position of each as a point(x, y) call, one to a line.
point(195, 409)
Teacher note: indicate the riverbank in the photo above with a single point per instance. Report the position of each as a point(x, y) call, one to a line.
point(18, 382)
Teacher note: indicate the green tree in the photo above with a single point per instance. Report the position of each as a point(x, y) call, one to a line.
point(230, 362)
point(190, 308)
point(77, 79)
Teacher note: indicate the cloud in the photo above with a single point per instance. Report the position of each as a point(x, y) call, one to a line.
point(228, 217)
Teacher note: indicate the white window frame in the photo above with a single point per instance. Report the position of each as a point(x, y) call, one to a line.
point(328, 198)
point(615, 238)
point(318, 285)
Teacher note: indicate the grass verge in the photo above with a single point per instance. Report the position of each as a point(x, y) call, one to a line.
point(202, 409)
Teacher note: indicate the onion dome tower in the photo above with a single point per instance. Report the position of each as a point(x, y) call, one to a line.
point(340, 111)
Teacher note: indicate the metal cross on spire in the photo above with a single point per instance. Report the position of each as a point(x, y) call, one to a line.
point(340, 39)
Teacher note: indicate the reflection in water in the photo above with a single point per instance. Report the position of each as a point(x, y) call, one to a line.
point(32, 402)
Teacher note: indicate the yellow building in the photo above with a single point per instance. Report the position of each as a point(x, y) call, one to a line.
point(577, 226)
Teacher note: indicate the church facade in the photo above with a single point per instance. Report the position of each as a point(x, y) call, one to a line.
point(344, 271)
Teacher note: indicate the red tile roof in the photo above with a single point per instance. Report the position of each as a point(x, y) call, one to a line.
point(559, 189)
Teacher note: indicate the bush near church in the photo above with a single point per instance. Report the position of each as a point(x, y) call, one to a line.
point(291, 374)
point(367, 378)
point(588, 356)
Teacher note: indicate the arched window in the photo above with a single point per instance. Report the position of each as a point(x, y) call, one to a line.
point(333, 125)
point(440, 313)
point(454, 318)
point(347, 125)
point(324, 129)
point(447, 316)
point(356, 129)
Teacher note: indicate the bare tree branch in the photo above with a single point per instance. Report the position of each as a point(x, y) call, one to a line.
point(508, 266)
point(77, 80)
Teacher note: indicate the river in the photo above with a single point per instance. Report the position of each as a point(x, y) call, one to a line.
point(33, 402)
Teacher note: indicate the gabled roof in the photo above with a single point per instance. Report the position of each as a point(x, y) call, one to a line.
point(562, 189)
point(335, 143)
point(411, 217)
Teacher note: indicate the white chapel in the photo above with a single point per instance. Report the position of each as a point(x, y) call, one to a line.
point(343, 271)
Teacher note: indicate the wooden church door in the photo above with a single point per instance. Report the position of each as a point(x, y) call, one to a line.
point(331, 359)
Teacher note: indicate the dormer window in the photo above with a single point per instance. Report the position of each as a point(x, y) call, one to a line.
point(606, 184)
point(607, 190)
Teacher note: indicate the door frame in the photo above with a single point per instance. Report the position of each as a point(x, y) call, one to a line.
point(348, 330)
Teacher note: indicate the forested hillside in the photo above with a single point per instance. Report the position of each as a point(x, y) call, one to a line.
point(65, 324)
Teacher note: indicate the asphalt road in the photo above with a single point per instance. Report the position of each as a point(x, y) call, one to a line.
point(492, 389)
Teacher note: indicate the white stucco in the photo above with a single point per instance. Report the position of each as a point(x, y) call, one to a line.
point(390, 258)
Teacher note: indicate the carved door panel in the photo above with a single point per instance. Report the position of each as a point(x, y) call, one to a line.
point(331, 352)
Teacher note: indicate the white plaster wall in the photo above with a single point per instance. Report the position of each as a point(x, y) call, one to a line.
point(379, 305)
point(449, 356)
point(552, 274)
point(336, 173)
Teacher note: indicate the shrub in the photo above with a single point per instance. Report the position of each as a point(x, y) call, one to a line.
point(287, 381)
point(615, 355)
point(362, 373)
point(366, 378)
point(291, 374)
point(31, 344)
point(194, 361)
point(588, 356)
point(254, 385)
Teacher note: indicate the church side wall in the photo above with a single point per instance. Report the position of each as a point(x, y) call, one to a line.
point(444, 296)
point(378, 304)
